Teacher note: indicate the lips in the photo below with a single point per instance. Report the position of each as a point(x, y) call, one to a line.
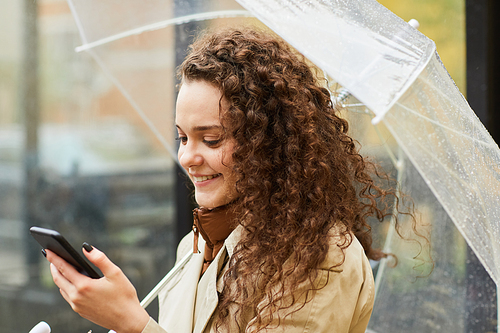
point(204, 178)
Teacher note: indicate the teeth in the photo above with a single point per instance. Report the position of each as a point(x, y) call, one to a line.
point(203, 178)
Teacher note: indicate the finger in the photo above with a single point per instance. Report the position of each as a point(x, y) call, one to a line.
point(65, 269)
point(100, 260)
point(66, 297)
point(60, 280)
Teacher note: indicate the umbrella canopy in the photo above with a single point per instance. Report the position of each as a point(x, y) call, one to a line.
point(134, 43)
point(443, 154)
point(395, 71)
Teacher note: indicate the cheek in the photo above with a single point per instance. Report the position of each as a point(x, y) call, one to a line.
point(226, 161)
point(226, 157)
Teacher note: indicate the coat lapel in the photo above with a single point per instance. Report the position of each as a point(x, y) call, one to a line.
point(179, 297)
point(189, 302)
point(207, 297)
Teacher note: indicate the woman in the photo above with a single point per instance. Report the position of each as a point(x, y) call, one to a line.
point(283, 195)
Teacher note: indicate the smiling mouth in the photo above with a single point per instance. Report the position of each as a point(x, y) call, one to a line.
point(203, 178)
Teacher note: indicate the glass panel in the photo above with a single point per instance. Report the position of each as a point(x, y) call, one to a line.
point(84, 161)
point(93, 171)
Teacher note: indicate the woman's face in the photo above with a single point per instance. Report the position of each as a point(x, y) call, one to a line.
point(203, 152)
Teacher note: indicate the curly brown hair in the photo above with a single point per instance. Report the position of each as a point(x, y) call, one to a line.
point(299, 172)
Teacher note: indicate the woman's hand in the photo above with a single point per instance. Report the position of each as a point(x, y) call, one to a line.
point(110, 301)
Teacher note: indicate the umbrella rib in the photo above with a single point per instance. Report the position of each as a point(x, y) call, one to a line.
point(355, 105)
point(165, 23)
point(456, 220)
point(448, 170)
point(395, 161)
point(452, 173)
point(139, 111)
point(445, 127)
point(390, 233)
point(77, 20)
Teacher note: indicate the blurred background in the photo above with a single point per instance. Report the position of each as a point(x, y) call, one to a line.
point(76, 157)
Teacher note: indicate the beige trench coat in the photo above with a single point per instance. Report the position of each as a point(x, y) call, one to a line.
point(344, 305)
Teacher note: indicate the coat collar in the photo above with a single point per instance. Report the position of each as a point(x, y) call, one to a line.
point(189, 291)
point(207, 298)
point(233, 239)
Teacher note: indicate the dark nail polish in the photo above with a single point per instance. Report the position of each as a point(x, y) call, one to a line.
point(44, 253)
point(87, 247)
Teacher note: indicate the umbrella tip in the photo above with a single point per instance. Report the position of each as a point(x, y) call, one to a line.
point(377, 119)
point(414, 23)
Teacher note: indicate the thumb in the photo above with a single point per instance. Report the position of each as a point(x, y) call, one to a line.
point(99, 259)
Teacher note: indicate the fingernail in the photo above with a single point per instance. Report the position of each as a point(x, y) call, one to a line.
point(44, 253)
point(87, 247)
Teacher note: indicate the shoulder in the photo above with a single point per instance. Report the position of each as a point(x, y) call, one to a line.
point(185, 245)
point(345, 253)
point(340, 298)
point(348, 268)
point(348, 286)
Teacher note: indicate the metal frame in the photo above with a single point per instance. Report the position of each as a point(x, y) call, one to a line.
point(483, 85)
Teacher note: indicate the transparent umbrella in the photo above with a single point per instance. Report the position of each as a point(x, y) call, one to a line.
point(444, 157)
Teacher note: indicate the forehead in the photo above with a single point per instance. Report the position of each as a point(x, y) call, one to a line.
point(197, 104)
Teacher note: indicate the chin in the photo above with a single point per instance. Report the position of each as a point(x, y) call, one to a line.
point(206, 203)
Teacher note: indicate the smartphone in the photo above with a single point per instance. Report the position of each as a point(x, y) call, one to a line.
point(55, 242)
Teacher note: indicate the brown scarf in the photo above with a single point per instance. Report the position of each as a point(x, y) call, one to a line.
point(214, 225)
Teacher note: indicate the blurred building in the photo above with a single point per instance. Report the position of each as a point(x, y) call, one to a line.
point(98, 175)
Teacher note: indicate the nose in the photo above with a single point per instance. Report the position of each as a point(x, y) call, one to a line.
point(189, 155)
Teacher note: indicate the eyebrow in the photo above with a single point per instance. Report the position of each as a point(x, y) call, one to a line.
point(203, 128)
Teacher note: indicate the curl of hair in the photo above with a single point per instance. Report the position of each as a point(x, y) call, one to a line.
point(298, 171)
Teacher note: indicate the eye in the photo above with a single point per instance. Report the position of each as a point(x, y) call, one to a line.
point(182, 139)
point(212, 143)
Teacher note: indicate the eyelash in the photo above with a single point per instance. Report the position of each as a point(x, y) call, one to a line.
point(209, 143)
point(181, 139)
